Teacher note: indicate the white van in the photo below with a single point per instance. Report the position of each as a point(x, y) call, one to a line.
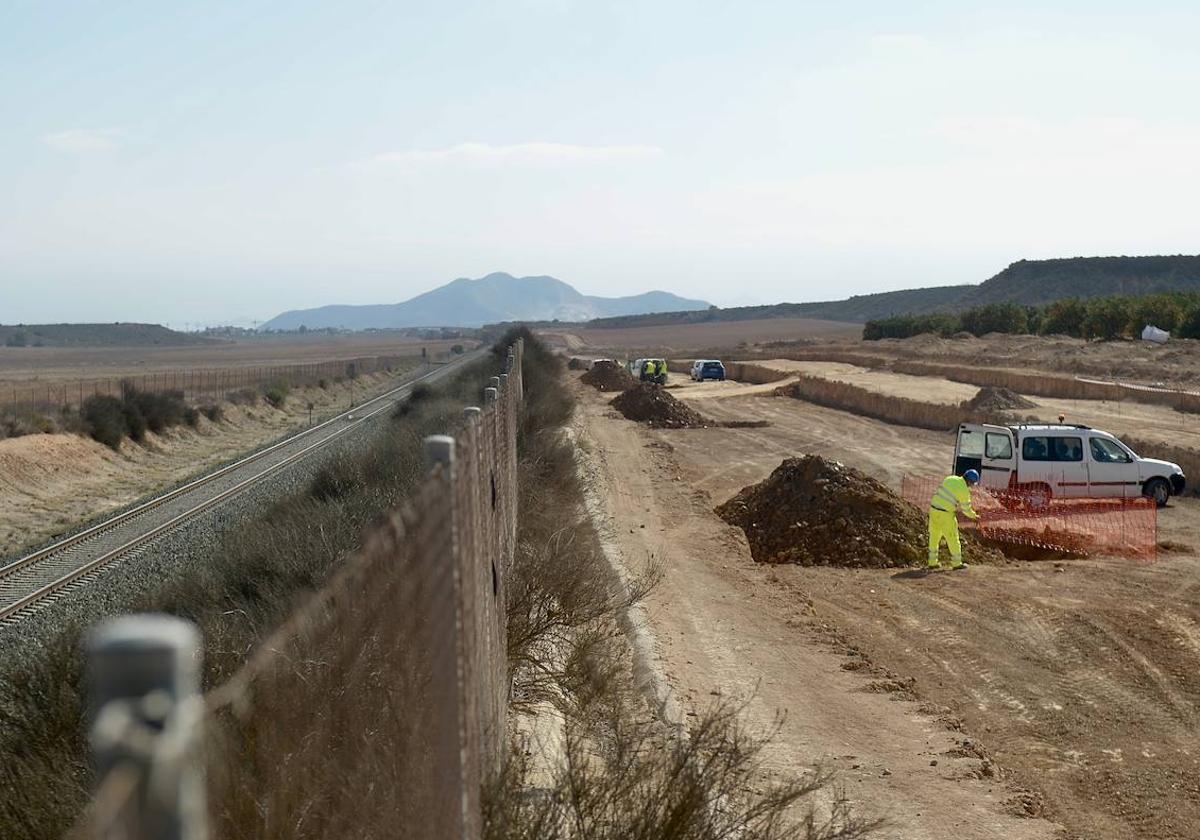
point(1062, 461)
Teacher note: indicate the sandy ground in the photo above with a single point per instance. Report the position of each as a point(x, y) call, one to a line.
point(51, 483)
point(1081, 680)
point(1136, 420)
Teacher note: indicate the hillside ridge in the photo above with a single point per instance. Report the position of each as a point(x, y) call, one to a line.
point(1027, 282)
point(491, 299)
point(95, 335)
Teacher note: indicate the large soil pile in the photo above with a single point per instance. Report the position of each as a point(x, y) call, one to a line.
point(649, 403)
point(997, 399)
point(815, 512)
point(608, 376)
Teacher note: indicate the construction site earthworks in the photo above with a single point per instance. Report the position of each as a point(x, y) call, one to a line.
point(1050, 691)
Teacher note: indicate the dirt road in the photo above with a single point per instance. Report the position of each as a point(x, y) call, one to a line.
point(1079, 681)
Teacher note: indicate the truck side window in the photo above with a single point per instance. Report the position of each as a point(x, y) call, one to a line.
point(1035, 449)
point(998, 446)
point(970, 444)
point(1107, 452)
point(1068, 449)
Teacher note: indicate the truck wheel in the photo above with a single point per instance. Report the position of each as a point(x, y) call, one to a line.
point(1158, 490)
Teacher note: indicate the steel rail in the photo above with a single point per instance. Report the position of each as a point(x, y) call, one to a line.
point(13, 608)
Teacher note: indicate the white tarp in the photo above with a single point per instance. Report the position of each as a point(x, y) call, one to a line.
point(1155, 334)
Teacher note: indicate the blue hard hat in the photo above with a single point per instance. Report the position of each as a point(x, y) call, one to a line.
point(971, 476)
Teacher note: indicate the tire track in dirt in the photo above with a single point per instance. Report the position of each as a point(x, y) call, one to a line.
point(1087, 677)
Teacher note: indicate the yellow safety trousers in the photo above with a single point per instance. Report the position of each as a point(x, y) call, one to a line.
point(944, 525)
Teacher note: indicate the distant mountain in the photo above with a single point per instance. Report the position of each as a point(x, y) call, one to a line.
point(488, 300)
point(1027, 282)
point(95, 335)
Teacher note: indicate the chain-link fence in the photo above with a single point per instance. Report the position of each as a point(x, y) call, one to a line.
point(378, 710)
point(1125, 527)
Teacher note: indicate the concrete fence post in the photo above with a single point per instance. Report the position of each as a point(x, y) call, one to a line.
point(143, 676)
point(472, 412)
point(494, 382)
point(504, 383)
point(490, 395)
point(439, 449)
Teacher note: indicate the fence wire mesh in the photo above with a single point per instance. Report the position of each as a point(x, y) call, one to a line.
point(378, 709)
point(1125, 527)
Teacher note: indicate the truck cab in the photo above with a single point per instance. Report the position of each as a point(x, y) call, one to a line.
point(1064, 461)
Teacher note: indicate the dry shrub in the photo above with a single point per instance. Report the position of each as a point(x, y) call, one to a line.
point(646, 784)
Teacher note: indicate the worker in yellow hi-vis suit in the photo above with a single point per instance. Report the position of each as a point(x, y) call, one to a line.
point(952, 496)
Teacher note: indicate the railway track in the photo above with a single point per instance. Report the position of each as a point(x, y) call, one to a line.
point(31, 581)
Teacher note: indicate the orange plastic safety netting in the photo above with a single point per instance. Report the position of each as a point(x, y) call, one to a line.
point(1125, 527)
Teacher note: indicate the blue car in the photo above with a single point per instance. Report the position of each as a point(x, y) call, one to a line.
point(708, 369)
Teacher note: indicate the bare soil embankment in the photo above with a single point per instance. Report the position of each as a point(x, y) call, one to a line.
point(51, 483)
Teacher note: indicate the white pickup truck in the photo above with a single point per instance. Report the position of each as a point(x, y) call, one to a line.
point(1046, 461)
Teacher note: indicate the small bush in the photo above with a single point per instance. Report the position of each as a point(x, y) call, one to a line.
point(420, 393)
point(191, 416)
point(243, 396)
point(109, 420)
point(276, 394)
point(104, 419)
point(135, 423)
point(213, 412)
point(323, 383)
point(159, 410)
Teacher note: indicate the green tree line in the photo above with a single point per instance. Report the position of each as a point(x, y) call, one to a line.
point(1116, 316)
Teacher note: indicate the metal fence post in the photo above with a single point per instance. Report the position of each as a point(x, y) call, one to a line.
point(144, 681)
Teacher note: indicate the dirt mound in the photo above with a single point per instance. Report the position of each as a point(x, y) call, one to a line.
point(648, 403)
point(608, 376)
point(816, 512)
point(997, 399)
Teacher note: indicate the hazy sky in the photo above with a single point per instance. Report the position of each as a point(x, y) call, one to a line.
point(212, 162)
